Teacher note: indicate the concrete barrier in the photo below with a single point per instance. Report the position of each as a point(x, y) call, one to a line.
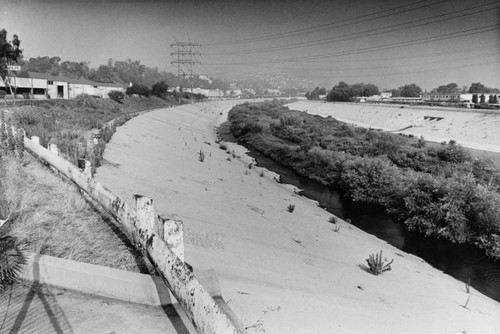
point(159, 237)
point(96, 280)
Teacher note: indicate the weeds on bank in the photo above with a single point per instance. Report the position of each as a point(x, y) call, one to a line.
point(335, 221)
point(376, 265)
point(201, 156)
point(223, 146)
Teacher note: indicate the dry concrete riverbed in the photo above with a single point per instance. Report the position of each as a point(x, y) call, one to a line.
point(280, 272)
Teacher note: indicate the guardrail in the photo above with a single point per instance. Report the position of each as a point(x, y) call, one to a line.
point(160, 237)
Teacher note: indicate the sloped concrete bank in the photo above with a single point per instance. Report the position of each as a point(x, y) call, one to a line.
point(477, 130)
point(280, 271)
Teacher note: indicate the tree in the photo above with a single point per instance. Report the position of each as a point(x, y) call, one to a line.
point(139, 90)
point(483, 98)
point(411, 90)
point(8, 54)
point(451, 88)
point(474, 98)
point(160, 89)
point(346, 92)
point(316, 93)
point(340, 92)
point(477, 87)
point(4, 46)
point(103, 74)
point(396, 92)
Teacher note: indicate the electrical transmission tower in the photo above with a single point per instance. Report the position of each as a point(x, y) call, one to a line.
point(186, 53)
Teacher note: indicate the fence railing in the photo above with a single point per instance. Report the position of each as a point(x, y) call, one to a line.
point(160, 237)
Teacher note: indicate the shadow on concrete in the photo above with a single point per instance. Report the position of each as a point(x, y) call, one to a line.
point(31, 308)
point(171, 311)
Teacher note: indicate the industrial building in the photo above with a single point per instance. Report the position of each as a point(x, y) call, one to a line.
point(41, 86)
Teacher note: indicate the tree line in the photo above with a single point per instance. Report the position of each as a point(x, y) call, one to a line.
point(346, 93)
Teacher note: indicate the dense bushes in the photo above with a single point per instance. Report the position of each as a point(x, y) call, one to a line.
point(160, 89)
point(138, 89)
point(440, 191)
point(116, 95)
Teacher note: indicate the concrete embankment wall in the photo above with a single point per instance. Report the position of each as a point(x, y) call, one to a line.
point(160, 237)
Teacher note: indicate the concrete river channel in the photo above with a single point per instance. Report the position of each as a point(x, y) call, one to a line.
point(463, 262)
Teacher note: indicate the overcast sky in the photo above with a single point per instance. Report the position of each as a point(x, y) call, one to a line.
point(386, 42)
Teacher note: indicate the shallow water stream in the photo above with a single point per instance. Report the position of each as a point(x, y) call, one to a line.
point(460, 261)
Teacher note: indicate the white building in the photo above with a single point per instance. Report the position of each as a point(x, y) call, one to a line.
point(38, 86)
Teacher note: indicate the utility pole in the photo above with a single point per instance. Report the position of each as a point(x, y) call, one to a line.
point(221, 75)
point(185, 52)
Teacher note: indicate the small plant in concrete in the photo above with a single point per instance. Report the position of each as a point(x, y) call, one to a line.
point(466, 303)
point(201, 156)
point(223, 146)
point(333, 220)
point(290, 208)
point(261, 173)
point(376, 265)
point(467, 286)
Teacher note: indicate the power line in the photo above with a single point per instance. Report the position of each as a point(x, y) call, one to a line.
point(393, 45)
point(495, 53)
point(343, 23)
point(396, 73)
point(461, 50)
point(368, 33)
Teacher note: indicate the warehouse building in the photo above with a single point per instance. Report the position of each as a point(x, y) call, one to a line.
point(40, 86)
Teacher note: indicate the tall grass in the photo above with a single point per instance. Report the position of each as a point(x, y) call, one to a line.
point(51, 217)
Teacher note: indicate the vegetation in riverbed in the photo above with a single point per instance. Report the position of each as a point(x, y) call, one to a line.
point(440, 191)
point(376, 265)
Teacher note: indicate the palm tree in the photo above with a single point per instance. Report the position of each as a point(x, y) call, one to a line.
point(12, 259)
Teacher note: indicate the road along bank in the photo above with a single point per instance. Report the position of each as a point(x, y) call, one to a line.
point(280, 271)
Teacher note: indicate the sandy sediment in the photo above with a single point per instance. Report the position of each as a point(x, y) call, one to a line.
point(280, 272)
